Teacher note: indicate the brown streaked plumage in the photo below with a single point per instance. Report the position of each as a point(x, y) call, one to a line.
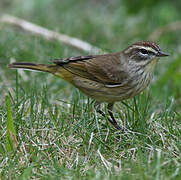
point(109, 77)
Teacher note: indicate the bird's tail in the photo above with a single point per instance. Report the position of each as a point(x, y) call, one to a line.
point(53, 68)
point(33, 66)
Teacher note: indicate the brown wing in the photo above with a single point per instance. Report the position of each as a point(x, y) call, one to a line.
point(76, 65)
point(106, 69)
point(72, 59)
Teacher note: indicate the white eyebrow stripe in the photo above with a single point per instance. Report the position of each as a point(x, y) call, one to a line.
point(150, 49)
point(141, 47)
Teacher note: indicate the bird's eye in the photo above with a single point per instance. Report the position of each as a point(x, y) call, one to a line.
point(143, 51)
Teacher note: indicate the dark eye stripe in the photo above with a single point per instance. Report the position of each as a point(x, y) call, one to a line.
point(144, 51)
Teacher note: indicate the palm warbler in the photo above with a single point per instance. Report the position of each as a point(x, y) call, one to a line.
point(108, 77)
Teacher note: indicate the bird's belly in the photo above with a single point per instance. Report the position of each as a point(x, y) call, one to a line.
point(102, 93)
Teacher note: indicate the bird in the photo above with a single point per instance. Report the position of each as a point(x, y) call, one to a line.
point(106, 78)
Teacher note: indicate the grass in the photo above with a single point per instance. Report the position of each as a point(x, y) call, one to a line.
point(57, 133)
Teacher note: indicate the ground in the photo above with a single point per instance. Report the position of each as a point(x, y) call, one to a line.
point(55, 132)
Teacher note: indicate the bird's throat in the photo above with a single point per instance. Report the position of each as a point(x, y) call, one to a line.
point(150, 67)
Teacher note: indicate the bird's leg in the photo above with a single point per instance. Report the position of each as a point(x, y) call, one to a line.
point(97, 107)
point(112, 120)
point(110, 106)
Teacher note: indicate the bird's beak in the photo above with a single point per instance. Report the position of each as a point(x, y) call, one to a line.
point(162, 54)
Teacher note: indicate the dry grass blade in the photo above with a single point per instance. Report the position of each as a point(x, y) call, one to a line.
point(50, 35)
point(173, 26)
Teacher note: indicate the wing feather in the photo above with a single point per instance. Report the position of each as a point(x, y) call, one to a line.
point(106, 69)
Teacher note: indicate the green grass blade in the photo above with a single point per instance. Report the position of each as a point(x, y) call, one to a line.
point(26, 174)
point(11, 141)
point(174, 66)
